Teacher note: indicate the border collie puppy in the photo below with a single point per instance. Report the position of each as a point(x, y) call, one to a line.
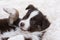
point(34, 20)
point(9, 26)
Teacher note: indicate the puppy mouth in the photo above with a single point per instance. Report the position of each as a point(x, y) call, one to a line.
point(23, 29)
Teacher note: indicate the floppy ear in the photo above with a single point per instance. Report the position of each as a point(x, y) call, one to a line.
point(13, 14)
point(45, 24)
point(30, 7)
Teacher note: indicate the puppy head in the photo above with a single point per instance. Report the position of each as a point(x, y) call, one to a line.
point(35, 21)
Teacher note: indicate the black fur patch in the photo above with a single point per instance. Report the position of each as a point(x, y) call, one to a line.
point(28, 39)
point(4, 38)
point(4, 25)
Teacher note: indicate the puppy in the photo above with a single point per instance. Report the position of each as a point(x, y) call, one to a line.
point(9, 27)
point(34, 22)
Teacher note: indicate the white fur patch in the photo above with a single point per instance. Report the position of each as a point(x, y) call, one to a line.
point(26, 34)
point(34, 13)
point(10, 33)
point(27, 21)
point(17, 37)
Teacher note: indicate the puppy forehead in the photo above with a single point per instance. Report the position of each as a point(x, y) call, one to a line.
point(33, 14)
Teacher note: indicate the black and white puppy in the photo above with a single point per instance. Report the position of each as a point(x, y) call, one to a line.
point(34, 22)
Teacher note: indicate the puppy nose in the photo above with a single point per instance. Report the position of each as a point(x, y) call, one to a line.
point(22, 24)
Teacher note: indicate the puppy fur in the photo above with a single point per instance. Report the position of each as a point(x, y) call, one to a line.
point(7, 28)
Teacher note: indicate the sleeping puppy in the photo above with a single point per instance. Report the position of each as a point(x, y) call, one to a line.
point(34, 21)
point(9, 26)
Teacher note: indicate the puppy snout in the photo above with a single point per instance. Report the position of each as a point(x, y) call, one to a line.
point(22, 24)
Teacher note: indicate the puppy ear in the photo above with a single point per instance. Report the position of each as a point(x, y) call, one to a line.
point(45, 24)
point(13, 14)
point(30, 7)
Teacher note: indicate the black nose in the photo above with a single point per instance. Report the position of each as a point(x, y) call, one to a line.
point(22, 24)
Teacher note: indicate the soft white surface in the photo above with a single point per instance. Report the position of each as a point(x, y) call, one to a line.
point(18, 37)
point(53, 32)
point(51, 8)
